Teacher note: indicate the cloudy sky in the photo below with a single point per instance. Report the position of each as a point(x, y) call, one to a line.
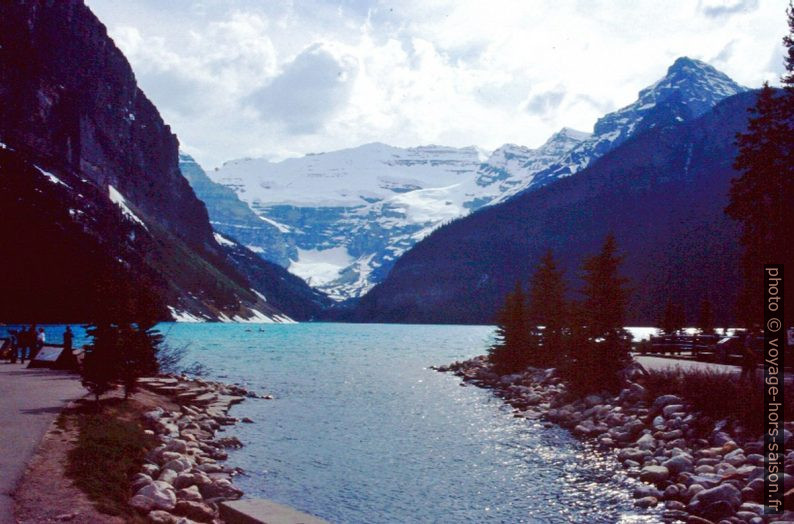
point(279, 78)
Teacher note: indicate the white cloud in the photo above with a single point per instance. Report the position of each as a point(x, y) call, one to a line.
point(246, 78)
point(310, 90)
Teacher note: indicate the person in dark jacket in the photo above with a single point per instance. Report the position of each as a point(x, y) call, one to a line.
point(749, 357)
point(68, 336)
point(27, 338)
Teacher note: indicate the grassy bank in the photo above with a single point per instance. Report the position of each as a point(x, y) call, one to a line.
point(110, 448)
point(717, 395)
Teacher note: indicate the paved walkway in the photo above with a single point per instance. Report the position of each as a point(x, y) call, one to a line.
point(30, 399)
point(661, 363)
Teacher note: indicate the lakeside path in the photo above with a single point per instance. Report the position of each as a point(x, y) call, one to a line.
point(30, 399)
point(662, 363)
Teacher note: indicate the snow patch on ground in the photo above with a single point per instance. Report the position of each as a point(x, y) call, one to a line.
point(281, 227)
point(52, 178)
point(429, 205)
point(257, 317)
point(320, 266)
point(118, 199)
point(220, 239)
point(184, 316)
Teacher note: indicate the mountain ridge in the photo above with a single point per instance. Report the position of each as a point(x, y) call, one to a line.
point(345, 216)
point(72, 109)
point(662, 193)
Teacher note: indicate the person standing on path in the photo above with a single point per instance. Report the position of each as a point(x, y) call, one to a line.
point(26, 339)
point(748, 357)
point(67, 339)
point(41, 339)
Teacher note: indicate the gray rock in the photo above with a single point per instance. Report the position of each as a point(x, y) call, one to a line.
point(177, 445)
point(693, 490)
point(672, 492)
point(197, 511)
point(664, 400)
point(221, 488)
point(153, 415)
point(646, 442)
point(716, 503)
point(150, 469)
point(646, 502)
point(142, 504)
point(178, 465)
point(189, 493)
point(161, 493)
point(678, 464)
point(654, 474)
point(161, 517)
point(675, 515)
point(184, 480)
point(720, 438)
point(167, 456)
point(675, 504)
point(140, 480)
point(671, 409)
point(634, 454)
point(167, 475)
point(644, 490)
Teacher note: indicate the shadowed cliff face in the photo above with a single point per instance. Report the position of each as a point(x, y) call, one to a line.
point(97, 212)
point(69, 95)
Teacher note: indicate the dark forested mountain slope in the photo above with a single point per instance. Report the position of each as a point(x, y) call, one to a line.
point(662, 193)
point(114, 208)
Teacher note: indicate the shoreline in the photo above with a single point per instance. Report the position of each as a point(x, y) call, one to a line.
point(694, 476)
point(183, 476)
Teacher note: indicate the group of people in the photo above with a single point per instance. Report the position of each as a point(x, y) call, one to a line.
point(25, 343)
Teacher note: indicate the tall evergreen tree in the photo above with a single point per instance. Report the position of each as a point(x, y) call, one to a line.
point(101, 363)
point(673, 319)
point(705, 323)
point(139, 345)
point(599, 345)
point(547, 308)
point(510, 352)
point(761, 196)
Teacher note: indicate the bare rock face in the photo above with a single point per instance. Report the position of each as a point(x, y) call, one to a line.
point(70, 95)
point(90, 178)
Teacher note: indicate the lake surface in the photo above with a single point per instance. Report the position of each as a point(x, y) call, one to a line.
point(361, 431)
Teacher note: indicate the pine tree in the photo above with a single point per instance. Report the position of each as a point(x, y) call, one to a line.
point(101, 364)
point(598, 344)
point(705, 323)
point(139, 344)
point(673, 319)
point(547, 308)
point(510, 352)
point(759, 198)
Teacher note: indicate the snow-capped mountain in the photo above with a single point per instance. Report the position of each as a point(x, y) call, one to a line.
point(350, 214)
point(689, 89)
point(345, 216)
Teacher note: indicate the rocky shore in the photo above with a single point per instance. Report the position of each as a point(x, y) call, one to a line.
point(183, 479)
point(697, 476)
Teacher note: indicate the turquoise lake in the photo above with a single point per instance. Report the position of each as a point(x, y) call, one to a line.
point(362, 431)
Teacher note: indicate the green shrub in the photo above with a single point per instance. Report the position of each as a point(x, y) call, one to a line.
point(717, 395)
